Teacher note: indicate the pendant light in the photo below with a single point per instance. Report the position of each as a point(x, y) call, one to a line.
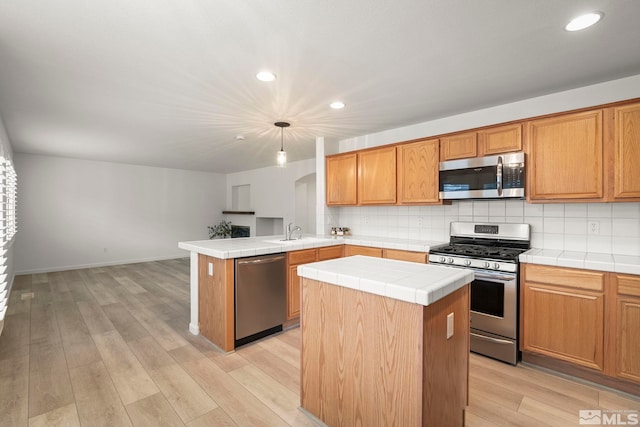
point(282, 155)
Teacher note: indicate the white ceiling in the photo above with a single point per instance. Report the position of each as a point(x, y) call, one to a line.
point(171, 83)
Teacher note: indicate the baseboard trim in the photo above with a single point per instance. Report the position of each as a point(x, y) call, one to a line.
point(584, 373)
point(99, 264)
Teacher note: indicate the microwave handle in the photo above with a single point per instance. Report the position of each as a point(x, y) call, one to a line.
point(499, 176)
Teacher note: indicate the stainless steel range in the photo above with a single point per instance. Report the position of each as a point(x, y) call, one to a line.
point(491, 251)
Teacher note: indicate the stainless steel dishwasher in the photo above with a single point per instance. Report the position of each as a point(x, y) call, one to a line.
point(260, 296)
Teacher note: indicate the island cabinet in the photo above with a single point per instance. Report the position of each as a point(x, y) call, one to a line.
point(566, 157)
point(377, 176)
point(341, 179)
point(372, 360)
point(582, 322)
point(485, 142)
point(216, 300)
point(626, 157)
point(305, 256)
point(418, 172)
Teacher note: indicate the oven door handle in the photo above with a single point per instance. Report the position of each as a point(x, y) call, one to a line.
point(491, 339)
point(495, 277)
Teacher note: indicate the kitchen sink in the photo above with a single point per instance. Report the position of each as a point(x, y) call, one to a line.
point(300, 240)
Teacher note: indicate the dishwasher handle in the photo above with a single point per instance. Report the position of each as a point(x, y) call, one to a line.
point(261, 260)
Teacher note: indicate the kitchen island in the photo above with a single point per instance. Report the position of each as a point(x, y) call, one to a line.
point(384, 342)
point(212, 274)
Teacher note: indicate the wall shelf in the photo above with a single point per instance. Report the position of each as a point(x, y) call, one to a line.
point(238, 212)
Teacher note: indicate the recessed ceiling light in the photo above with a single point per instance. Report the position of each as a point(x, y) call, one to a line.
point(337, 105)
point(266, 76)
point(240, 138)
point(583, 21)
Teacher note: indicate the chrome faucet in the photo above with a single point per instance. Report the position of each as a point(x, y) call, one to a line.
point(290, 231)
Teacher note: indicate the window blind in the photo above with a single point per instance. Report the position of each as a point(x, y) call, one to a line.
point(8, 226)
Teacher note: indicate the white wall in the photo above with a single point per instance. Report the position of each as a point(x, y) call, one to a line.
point(272, 192)
point(78, 213)
point(554, 226)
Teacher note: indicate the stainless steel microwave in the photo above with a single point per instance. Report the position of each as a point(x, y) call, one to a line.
point(490, 177)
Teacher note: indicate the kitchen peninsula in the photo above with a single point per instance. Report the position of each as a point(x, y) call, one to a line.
point(212, 272)
point(384, 342)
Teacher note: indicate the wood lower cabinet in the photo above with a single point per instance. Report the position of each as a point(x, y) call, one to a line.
point(565, 157)
point(377, 176)
point(563, 314)
point(411, 256)
point(341, 179)
point(350, 250)
point(501, 139)
point(582, 322)
point(418, 172)
point(305, 256)
point(627, 327)
point(460, 146)
point(626, 158)
point(216, 310)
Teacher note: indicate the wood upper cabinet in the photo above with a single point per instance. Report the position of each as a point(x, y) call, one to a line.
point(501, 139)
point(627, 327)
point(377, 176)
point(563, 314)
point(460, 146)
point(418, 172)
point(566, 157)
point(341, 184)
point(626, 168)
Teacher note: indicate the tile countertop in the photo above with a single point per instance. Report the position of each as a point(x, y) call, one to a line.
point(406, 281)
point(251, 246)
point(584, 260)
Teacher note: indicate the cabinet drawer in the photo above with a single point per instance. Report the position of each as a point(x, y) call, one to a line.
point(628, 285)
point(569, 277)
point(330, 252)
point(362, 250)
point(301, 257)
point(420, 257)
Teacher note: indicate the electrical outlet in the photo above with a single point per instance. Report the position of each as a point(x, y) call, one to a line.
point(420, 221)
point(366, 220)
point(449, 325)
point(210, 269)
point(594, 227)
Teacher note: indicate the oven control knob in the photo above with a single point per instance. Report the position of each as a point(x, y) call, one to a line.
point(443, 259)
point(467, 262)
point(485, 264)
point(496, 266)
point(450, 260)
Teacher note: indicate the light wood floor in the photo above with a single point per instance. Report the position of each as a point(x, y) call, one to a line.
point(110, 347)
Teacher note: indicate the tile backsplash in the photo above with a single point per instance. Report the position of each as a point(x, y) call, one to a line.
point(615, 227)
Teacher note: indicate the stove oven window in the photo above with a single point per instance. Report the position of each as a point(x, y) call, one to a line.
point(487, 297)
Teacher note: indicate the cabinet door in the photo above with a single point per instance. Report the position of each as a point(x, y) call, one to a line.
point(564, 323)
point(418, 172)
point(459, 146)
point(566, 157)
point(411, 256)
point(502, 139)
point(563, 313)
point(377, 176)
point(627, 152)
point(341, 179)
point(627, 326)
point(293, 293)
point(350, 250)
